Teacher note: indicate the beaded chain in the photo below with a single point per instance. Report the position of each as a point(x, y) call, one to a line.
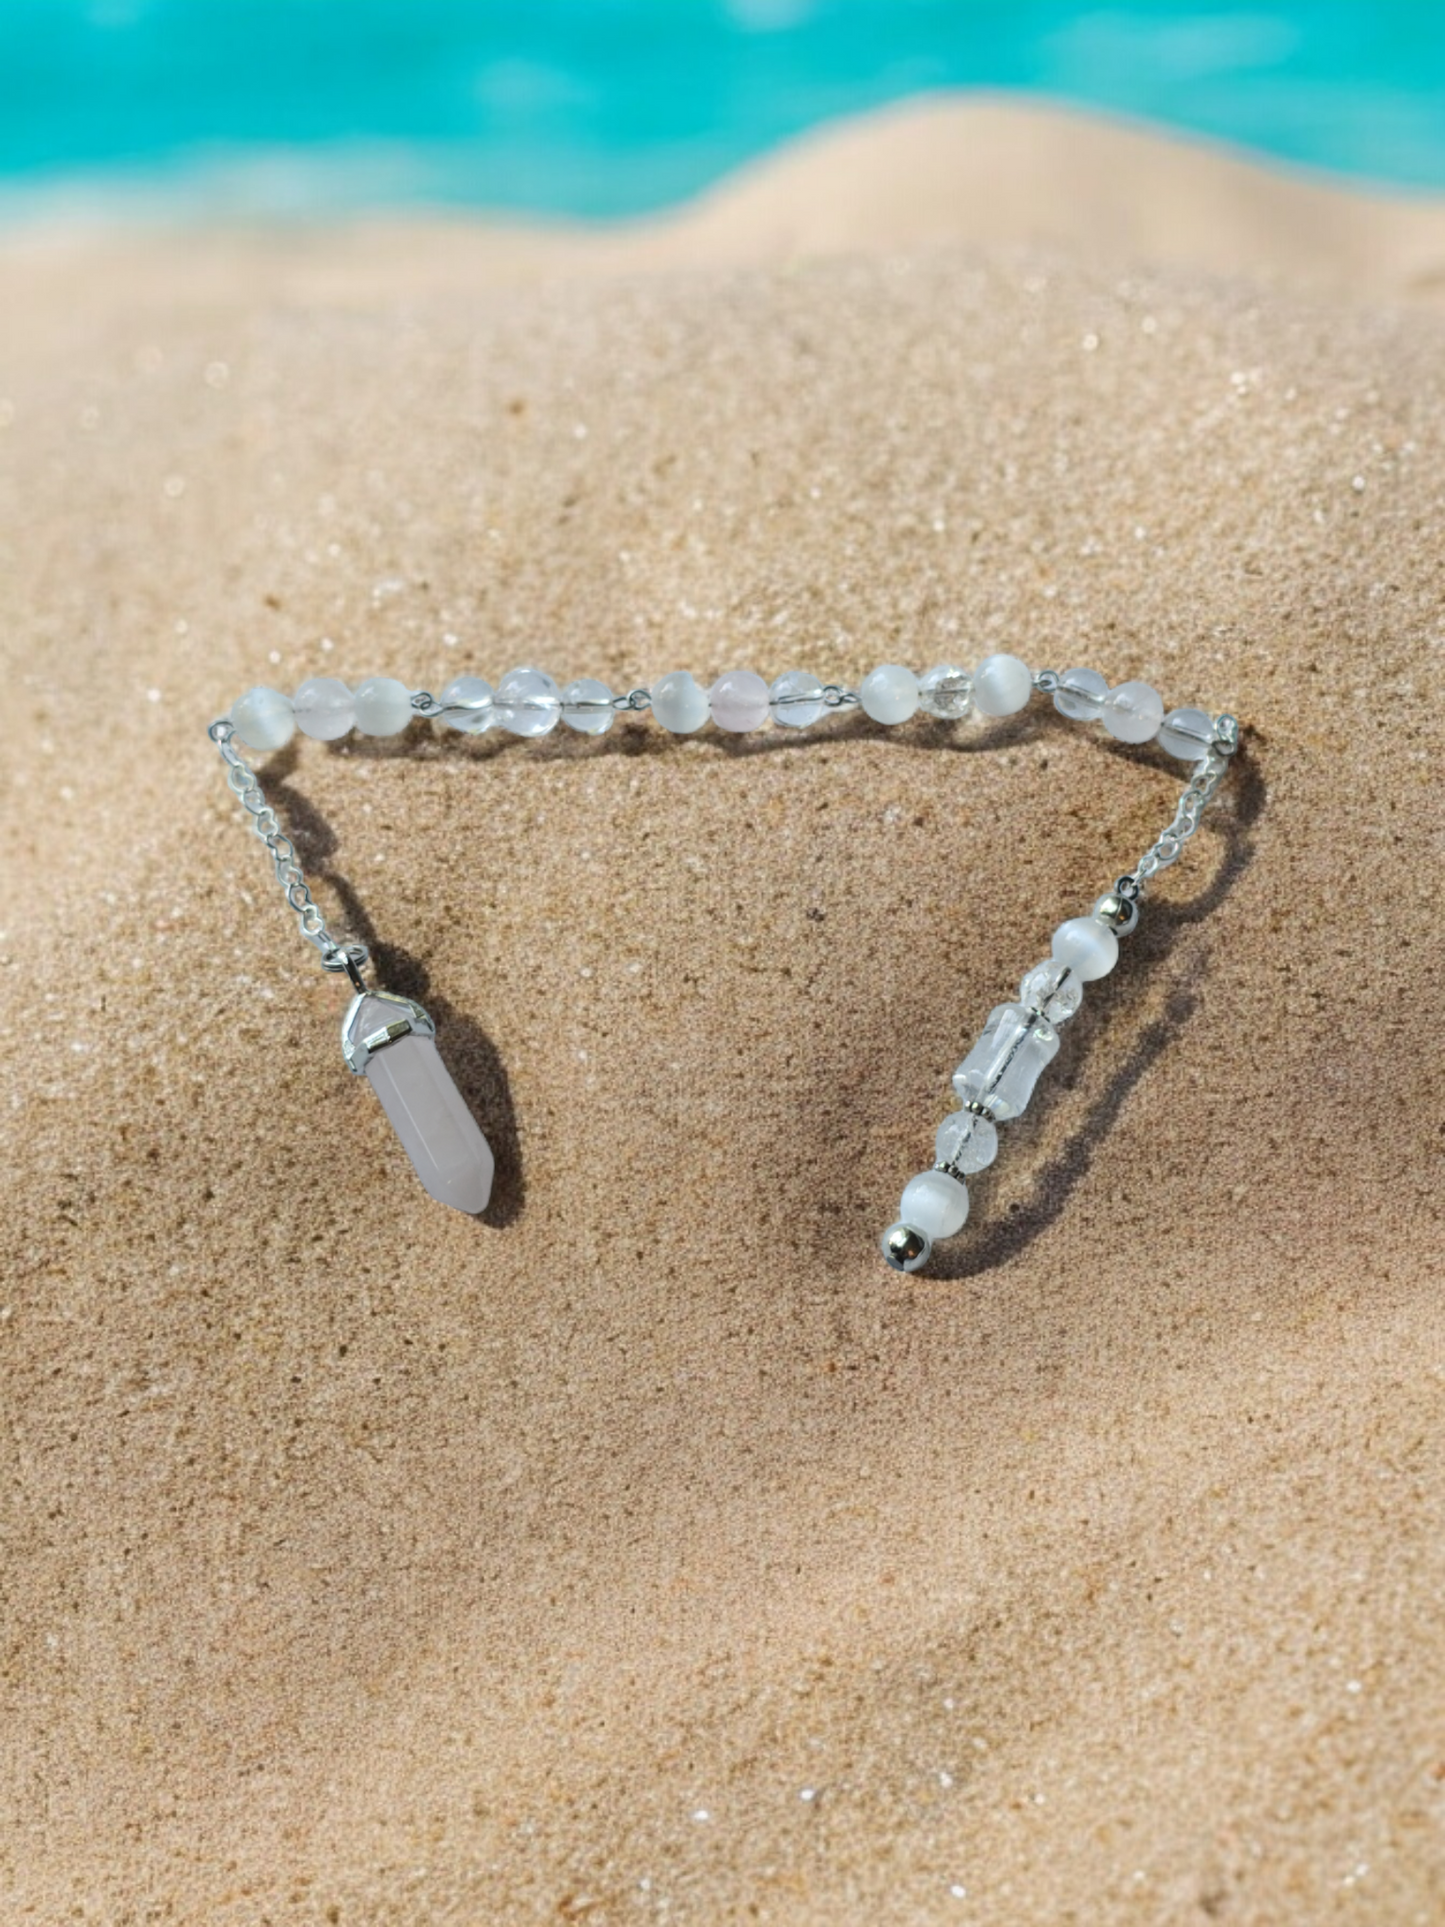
point(390, 1039)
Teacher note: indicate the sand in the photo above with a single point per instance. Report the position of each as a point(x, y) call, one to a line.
point(647, 1551)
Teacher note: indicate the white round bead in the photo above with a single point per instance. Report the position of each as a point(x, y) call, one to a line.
point(264, 719)
point(1002, 686)
point(796, 699)
point(935, 1204)
point(889, 695)
point(1080, 695)
point(467, 705)
point(1187, 734)
point(383, 706)
point(324, 708)
point(587, 706)
point(679, 702)
point(527, 702)
point(739, 700)
point(946, 692)
point(1087, 946)
point(1133, 712)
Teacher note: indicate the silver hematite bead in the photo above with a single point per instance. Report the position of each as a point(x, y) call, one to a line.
point(906, 1249)
point(1118, 912)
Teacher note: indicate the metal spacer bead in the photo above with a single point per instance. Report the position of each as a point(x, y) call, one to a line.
point(905, 1249)
point(979, 1108)
point(1119, 912)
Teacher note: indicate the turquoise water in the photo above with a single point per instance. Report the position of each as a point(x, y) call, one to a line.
point(607, 107)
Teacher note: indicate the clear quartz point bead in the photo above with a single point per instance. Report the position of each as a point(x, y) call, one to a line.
point(1004, 1065)
point(1054, 989)
point(391, 1042)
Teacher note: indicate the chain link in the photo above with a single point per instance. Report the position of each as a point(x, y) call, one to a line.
point(1194, 799)
point(334, 954)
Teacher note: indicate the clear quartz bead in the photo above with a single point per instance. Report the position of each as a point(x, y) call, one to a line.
point(1004, 1065)
point(467, 705)
point(324, 708)
point(796, 699)
point(1053, 989)
point(527, 702)
point(946, 692)
point(587, 706)
point(966, 1141)
point(1187, 734)
point(1080, 695)
point(1133, 712)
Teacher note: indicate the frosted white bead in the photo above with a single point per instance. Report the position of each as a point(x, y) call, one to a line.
point(1087, 946)
point(467, 705)
point(383, 706)
point(796, 699)
point(1004, 1065)
point(935, 1204)
point(946, 692)
point(324, 708)
point(1133, 712)
point(1001, 686)
point(889, 695)
point(679, 702)
point(1054, 989)
point(264, 719)
point(1080, 695)
point(739, 700)
point(527, 702)
point(587, 706)
point(966, 1141)
point(1187, 734)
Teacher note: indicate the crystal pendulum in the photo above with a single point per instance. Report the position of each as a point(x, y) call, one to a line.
point(391, 1041)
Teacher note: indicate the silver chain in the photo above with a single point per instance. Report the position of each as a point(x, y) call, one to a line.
point(335, 955)
point(1194, 799)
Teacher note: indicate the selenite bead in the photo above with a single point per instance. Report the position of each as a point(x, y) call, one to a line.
point(1053, 989)
point(467, 705)
point(905, 1247)
point(1187, 734)
point(527, 702)
point(1080, 695)
point(1004, 1065)
point(679, 702)
point(1087, 946)
point(966, 1141)
point(889, 694)
point(324, 708)
point(1133, 712)
point(935, 1204)
point(946, 692)
point(796, 699)
point(738, 700)
point(383, 706)
point(264, 719)
point(1002, 686)
point(587, 706)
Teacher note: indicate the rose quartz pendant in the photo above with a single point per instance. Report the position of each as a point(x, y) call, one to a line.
point(392, 1043)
